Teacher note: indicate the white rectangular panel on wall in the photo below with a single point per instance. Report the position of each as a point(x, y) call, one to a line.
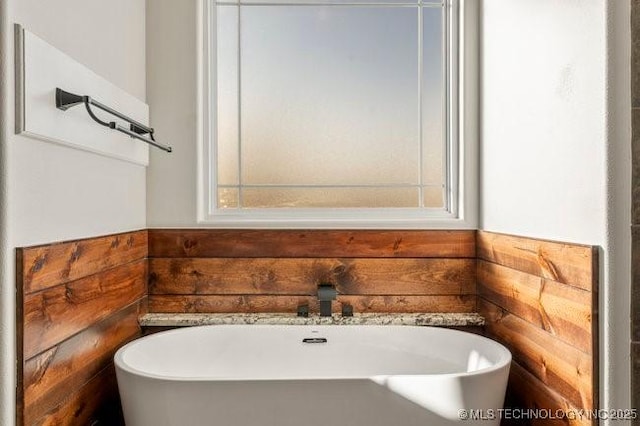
point(40, 69)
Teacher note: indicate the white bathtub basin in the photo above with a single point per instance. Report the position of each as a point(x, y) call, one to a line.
point(246, 375)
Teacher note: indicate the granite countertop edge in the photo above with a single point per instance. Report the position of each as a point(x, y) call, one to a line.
point(419, 319)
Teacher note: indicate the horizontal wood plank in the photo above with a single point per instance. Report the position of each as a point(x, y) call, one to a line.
point(69, 365)
point(96, 402)
point(53, 264)
point(530, 393)
point(560, 366)
point(55, 314)
point(261, 303)
point(302, 276)
point(310, 243)
point(563, 311)
point(570, 264)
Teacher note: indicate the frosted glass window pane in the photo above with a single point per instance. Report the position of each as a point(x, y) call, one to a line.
point(325, 104)
point(433, 197)
point(329, 197)
point(227, 93)
point(228, 198)
point(432, 96)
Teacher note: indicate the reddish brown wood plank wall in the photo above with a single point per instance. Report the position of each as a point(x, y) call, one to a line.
point(78, 302)
point(276, 271)
point(539, 298)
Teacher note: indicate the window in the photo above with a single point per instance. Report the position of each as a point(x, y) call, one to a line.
point(331, 111)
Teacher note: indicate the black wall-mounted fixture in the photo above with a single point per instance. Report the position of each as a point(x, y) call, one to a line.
point(66, 100)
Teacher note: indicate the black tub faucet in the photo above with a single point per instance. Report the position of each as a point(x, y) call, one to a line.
point(326, 293)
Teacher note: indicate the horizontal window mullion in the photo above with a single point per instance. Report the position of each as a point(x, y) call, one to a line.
point(337, 213)
point(362, 4)
point(266, 185)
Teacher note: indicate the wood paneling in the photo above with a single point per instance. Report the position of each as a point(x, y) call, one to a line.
point(208, 270)
point(59, 312)
point(95, 403)
point(315, 244)
point(558, 365)
point(49, 265)
point(270, 303)
point(570, 264)
point(302, 276)
point(564, 311)
point(78, 302)
point(539, 298)
point(70, 364)
point(531, 392)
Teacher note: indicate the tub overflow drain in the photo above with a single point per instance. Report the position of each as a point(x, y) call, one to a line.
point(314, 340)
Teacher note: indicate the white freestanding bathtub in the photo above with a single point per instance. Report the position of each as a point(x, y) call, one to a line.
point(274, 375)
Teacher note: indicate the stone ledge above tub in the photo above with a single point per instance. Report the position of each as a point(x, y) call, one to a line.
point(421, 319)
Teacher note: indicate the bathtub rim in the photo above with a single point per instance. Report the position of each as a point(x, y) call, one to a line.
point(504, 360)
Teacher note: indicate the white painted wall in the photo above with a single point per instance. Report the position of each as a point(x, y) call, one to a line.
point(172, 95)
point(543, 118)
point(49, 192)
point(555, 144)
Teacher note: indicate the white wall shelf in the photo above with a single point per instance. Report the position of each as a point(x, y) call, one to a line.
point(40, 69)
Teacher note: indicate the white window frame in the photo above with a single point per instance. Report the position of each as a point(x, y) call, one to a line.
point(463, 157)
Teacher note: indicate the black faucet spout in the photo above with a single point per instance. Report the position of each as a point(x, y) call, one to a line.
point(326, 293)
